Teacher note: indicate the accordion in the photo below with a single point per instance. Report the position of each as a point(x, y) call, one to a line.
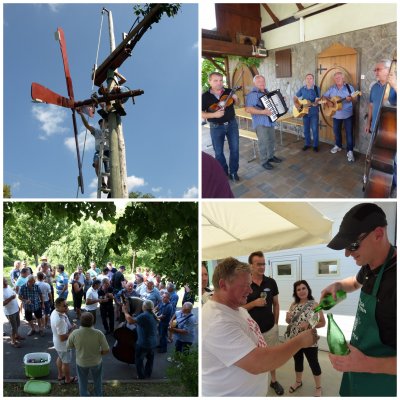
point(275, 103)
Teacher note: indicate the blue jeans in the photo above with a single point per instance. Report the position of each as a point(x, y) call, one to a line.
point(337, 129)
point(218, 133)
point(83, 378)
point(163, 333)
point(140, 354)
point(310, 122)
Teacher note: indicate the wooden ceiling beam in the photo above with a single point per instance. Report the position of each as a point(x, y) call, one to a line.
point(212, 61)
point(271, 14)
point(220, 48)
point(299, 6)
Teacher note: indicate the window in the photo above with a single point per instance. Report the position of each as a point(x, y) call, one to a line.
point(284, 269)
point(283, 63)
point(328, 267)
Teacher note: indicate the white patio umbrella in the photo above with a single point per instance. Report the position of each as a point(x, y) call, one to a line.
point(234, 228)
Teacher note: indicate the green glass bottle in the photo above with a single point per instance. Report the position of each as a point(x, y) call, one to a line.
point(328, 301)
point(336, 341)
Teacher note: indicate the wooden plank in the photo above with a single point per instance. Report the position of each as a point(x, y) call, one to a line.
point(271, 14)
point(219, 48)
point(123, 51)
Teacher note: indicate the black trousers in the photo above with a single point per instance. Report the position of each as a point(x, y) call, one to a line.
point(311, 354)
point(107, 316)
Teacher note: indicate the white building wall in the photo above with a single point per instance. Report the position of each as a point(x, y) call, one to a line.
point(346, 18)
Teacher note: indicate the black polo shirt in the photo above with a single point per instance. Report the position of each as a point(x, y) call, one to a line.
point(386, 309)
point(208, 99)
point(263, 315)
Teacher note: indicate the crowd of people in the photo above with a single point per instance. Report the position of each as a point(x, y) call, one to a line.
point(43, 299)
point(240, 343)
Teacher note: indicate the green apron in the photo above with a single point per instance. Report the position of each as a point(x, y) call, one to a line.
point(365, 337)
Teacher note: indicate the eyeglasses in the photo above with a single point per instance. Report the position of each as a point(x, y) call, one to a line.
point(260, 264)
point(354, 246)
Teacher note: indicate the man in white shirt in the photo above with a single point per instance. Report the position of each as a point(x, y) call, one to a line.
point(11, 311)
point(92, 299)
point(236, 358)
point(62, 328)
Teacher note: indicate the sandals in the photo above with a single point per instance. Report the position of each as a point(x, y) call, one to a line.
point(293, 389)
point(61, 379)
point(318, 391)
point(74, 379)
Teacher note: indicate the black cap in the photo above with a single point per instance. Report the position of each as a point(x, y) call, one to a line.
point(362, 218)
point(122, 267)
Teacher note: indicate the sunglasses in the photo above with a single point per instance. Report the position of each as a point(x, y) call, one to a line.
point(354, 246)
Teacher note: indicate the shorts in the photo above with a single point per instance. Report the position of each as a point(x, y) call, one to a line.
point(14, 321)
point(65, 356)
point(106, 163)
point(38, 314)
point(271, 337)
point(47, 308)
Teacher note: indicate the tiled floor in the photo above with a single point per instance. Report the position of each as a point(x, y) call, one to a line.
point(302, 174)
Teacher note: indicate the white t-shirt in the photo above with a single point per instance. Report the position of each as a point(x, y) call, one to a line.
point(228, 336)
point(93, 295)
point(60, 325)
point(45, 289)
point(12, 306)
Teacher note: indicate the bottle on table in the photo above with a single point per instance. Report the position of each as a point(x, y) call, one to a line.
point(336, 341)
point(328, 301)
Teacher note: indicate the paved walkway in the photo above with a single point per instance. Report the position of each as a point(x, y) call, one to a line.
point(302, 174)
point(330, 379)
point(13, 365)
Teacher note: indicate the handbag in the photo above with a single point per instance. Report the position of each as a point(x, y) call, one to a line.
point(293, 320)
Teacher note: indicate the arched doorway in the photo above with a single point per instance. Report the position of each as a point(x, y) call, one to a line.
point(333, 59)
point(243, 76)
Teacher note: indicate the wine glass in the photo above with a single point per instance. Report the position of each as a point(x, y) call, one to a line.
point(263, 295)
point(313, 320)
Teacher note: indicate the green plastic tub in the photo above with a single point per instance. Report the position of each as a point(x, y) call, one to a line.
point(37, 387)
point(37, 364)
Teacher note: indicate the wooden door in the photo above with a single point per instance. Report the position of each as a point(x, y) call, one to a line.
point(333, 59)
point(243, 76)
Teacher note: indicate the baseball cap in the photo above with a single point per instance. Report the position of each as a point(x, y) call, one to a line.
point(122, 267)
point(362, 218)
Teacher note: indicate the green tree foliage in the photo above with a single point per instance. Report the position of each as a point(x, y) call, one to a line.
point(207, 67)
point(173, 227)
point(142, 10)
point(161, 235)
point(136, 195)
point(32, 234)
point(6, 191)
point(84, 243)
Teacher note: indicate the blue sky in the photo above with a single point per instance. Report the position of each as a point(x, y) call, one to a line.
point(161, 130)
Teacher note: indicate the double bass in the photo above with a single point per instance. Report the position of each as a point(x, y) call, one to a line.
point(380, 159)
point(124, 346)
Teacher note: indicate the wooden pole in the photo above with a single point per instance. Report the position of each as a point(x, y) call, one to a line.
point(117, 142)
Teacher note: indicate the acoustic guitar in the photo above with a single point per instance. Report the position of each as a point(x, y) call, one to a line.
point(329, 110)
point(305, 107)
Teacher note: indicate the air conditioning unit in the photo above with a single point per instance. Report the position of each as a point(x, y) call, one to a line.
point(259, 52)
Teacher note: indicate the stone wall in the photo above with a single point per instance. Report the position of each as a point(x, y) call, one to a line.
point(372, 44)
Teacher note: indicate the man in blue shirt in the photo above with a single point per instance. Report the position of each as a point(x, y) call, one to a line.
point(345, 115)
point(383, 76)
point(311, 120)
point(262, 124)
point(147, 338)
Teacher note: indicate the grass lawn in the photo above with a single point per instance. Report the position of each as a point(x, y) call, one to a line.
point(111, 389)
